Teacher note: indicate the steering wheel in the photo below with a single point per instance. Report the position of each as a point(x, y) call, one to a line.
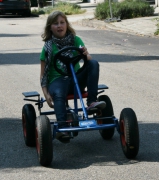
point(69, 55)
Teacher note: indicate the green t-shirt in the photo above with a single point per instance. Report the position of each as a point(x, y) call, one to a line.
point(53, 74)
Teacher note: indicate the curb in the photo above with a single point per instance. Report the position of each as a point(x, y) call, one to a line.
point(98, 24)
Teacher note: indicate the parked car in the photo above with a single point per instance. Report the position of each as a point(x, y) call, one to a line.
point(20, 7)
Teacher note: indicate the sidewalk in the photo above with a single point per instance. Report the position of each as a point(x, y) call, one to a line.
point(145, 26)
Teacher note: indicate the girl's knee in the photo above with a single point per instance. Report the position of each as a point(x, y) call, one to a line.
point(58, 93)
point(93, 64)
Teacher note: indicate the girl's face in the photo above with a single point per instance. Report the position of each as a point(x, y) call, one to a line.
point(59, 27)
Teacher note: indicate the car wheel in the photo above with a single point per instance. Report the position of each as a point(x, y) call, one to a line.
point(27, 13)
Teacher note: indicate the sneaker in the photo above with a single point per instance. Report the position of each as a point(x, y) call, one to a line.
point(98, 104)
point(63, 137)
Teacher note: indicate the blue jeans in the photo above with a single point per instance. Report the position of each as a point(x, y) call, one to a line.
point(62, 86)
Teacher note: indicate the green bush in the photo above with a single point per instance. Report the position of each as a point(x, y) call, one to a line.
point(157, 31)
point(38, 11)
point(67, 8)
point(125, 10)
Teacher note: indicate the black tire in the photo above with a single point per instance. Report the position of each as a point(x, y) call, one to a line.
point(75, 118)
point(72, 116)
point(107, 112)
point(26, 13)
point(129, 133)
point(28, 124)
point(44, 144)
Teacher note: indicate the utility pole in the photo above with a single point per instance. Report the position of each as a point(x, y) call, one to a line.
point(110, 6)
point(112, 19)
point(52, 3)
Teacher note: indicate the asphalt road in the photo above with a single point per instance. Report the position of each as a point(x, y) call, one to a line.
point(129, 65)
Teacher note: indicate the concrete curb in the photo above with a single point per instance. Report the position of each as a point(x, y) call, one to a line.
point(98, 24)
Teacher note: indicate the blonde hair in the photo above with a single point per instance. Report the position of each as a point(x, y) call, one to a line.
point(47, 34)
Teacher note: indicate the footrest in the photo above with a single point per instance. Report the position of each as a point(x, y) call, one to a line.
point(102, 86)
point(31, 94)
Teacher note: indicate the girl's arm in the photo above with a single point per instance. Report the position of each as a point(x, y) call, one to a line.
point(44, 89)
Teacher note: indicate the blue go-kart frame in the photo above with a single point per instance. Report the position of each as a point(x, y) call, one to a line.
point(38, 131)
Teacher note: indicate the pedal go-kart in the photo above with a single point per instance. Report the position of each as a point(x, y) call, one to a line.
point(39, 132)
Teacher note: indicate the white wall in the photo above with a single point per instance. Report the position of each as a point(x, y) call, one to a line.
point(92, 1)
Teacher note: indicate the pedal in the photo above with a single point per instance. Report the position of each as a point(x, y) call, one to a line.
point(92, 111)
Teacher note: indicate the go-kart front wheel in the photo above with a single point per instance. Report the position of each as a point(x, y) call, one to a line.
point(107, 112)
point(74, 118)
point(129, 136)
point(28, 123)
point(44, 140)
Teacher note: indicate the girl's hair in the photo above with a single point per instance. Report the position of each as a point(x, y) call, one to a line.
point(50, 20)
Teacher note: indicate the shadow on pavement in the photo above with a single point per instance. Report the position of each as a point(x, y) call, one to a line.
point(120, 42)
point(87, 149)
point(33, 58)
point(20, 58)
point(17, 16)
point(14, 35)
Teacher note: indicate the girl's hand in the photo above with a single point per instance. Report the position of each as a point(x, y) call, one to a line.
point(85, 52)
point(48, 97)
point(49, 100)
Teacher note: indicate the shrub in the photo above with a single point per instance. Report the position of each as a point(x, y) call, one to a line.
point(37, 11)
point(125, 10)
point(67, 8)
point(157, 31)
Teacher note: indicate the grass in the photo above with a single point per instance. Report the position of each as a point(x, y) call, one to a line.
point(65, 7)
point(157, 31)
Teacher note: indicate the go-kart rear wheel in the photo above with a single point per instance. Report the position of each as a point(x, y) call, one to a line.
point(28, 123)
point(129, 133)
point(107, 112)
point(44, 144)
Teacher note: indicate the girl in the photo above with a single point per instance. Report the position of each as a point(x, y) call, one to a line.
point(58, 34)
